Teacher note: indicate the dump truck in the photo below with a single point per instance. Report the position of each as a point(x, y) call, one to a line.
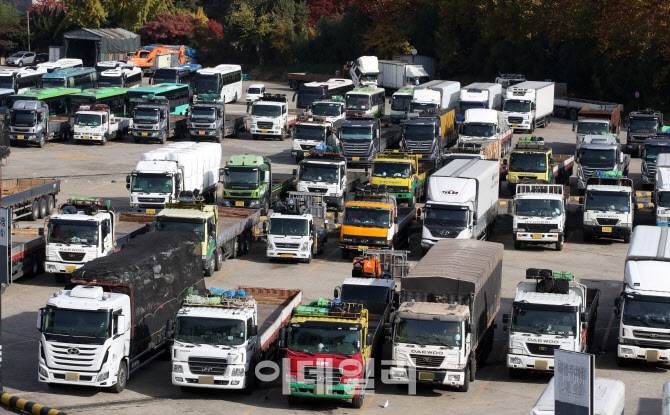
point(429, 134)
point(152, 120)
point(531, 160)
point(642, 125)
point(404, 174)
point(31, 122)
point(609, 207)
point(597, 121)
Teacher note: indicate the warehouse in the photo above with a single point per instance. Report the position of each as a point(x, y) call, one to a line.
point(96, 45)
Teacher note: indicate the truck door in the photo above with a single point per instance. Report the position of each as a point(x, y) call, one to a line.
point(107, 236)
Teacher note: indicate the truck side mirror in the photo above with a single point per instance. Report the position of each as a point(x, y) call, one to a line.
point(121, 323)
point(293, 100)
point(585, 326)
point(369, 339)
point(169, 329)
point(418, 212)
point(281, 338)
point(265, 227)
point(573, 126)
point(551, 160)
point(128, 182)
point(395, 219)
point(583, 316)
point(469, 328)
point(266, 177)
point(253, 331)
point(295, 172)
point(506, 319)
point(40, 318)
point(337, 292)
point(388, 330)
point(396, 300)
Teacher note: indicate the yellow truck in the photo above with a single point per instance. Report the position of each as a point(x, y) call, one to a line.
point(403, 173)
point(429, 134)
point(532, 161)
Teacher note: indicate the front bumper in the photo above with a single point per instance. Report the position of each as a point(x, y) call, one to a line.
point(150, 134)
point(648, 179)
point(197, 134)
point(399, 375)
point(269, 132)
point(60, 267)
point(539, 363)
point(523, 125)
point(359, 160)
point(287, 254)
point(360, 248)
point(19, 137)
point(88, 137)
point(243, 203)
point(629, 351)
point(607, 231)
point(46, 375)
point(540, 238)
point(189, 379)
point(341, 391)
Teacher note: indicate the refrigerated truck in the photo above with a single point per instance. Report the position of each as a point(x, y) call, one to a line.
point(529, 105)
point(398, 74)
point(479, 95)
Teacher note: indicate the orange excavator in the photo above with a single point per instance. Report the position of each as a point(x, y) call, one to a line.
point(145, 58)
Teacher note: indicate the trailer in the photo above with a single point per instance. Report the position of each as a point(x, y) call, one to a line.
point(30, 198)
point(566, 107)
point(27, 253)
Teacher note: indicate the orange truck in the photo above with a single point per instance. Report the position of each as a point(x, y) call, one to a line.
point(144, 59)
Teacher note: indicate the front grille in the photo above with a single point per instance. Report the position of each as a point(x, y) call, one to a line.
point(307, 147)
point(207, 366)
point(426, 361)
point(216, 382)
point(607, 222)
point(356, 150)
point(515, 120)
point(648, 343)
point(539, 228)
point(265, 125)
point(542, 349)
point(591, 172)
point(397, 189)
point(240, 194)
point(329, 376)
point(420, 146)
point(151, 200)
point(75, 357)
point(82, 378)
point(317, 190)
point(20, 130)
point(651, 335)
point(72, 256)
point(287, 246)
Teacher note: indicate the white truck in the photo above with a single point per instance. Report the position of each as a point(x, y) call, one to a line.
point(462, 201)
point(554, 312)
point(529, 105)
point(308, 134)
point(540, 214)
point(397, 74)
point(642, 306)
point(609, 207)
point(400, 101)
point(489, 124)
point(479, 95)
point(324, 173)
point(364, 71)
point(162, 174)
point(435, 95)
point(662, 191)
point(220, 337)
point(95, 123)
point(609, 397)
point(270, 117)
point(332, 110)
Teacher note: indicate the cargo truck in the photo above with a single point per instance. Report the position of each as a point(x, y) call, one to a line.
point(597, 121)
point(642, 124)
point(364, 71)
point(484, 95)
point(462, 202)
point(310, 133)
point(609, 207)
point(443, 329)
point(221, 336)
point(26, 248)
point(95, 123)
point(429, 134)
point(398, 74)
point(115, 320)
point(529, 105)
point(404, 174)
point(434, 95)
point(486, 124)
point(653, 148)
point(362, 139)
point(152, 120)
point(30, 199)
point(531, 160)
point(553, 312)
point(662, 191)
point(208, 120)
point(31, 122)
point(400, 101)
point(270, 117)
point(540, 214)
point(599, 154)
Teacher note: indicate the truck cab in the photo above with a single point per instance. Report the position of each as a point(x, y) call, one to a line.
point(32, 122)
point(309, 133)
point(530, 160)
point(540, 214)
point(207, 118)
point(152, 121)
point(269, 117)
point(662, 191)
point(589, 126)
point(247, 182)
point(642, 125)
point(96, 123)
point(404, 174)
point(360, 140)
point(331, 111)
point(600, 154)
point(364, 71)
point(609, 206)
point(423, 136)
point(653, 147)
point(400, 101)
point(489, 124)
point(324, 174)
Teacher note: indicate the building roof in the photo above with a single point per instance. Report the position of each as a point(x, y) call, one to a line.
point(110, 40)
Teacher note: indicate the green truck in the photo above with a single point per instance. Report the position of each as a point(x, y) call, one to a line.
point(248, 182)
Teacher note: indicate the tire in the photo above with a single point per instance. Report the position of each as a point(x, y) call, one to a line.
point(340, 203)
point(282, 137)
point(122, 377)
point(240, 245)
point(473, 369)
point(218, 260)
point(559, 244)
point(219, 138)
point(163, 138)
point(235, 99)
point(357, 403)
point(626, 239)
point(43, 208)
point(35, 210)
point(42, 142)
point(51, 203)
point(209, 271)
point(246, 245)
point(517, 244)
point(309, 259)
point(20, 64)
point(466, 381)
point(411, 202)
point(103, 141)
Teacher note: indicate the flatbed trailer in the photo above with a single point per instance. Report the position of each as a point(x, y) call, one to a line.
point(274, 307)
point(562, 169)
point(30, 198)
point(236, 230)
point(565, 107)
point(281, 184)
point(27, 253)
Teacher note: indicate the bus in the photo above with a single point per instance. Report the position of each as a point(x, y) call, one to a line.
point(365, 102)
point(60, 64)
point(224, 80)
point(21, 80)
point(182, 74)
point(55, 98)
point(317, 91)
point(114, 98)
point(82, 78)
point(176, 94)
point(122, 77)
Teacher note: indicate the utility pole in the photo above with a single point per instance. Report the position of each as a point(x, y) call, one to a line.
point(28, 22)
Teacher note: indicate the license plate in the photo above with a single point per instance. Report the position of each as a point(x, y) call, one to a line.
point(355, 158)
point(321, 390)
point(239, 204)
point(153, 211)
point(71, 376)
point(264, 131)
point(426, 376)
point(305, 154)
point(541, 364)
point(607, 230)
point(363, 247)
point(652, 355)
point(206, 380)
point(515, 125)
point(537, 236)
point(145, 134)
point(70, 268)
point(201, 132)
point(86, 137)
point(286, 255)
point(20, 137)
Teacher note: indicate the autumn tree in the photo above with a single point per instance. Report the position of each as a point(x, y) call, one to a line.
point(248, 29)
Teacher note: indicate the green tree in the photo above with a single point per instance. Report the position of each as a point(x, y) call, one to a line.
point(249, 29)
point(9, 14)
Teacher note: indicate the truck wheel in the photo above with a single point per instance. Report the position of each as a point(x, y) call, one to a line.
point(358, 402)
point(218, 260)
point(51, 203)
point(246, 243)
point(42, 142)
point(559, 244)
point(219, 138)
point(466, 381)
point(35, 210)
point(309, 259)
point(121, 378)
point(411, 202)
point(340, 203)
point(211, 264)
point(282, 137)
point(103, 140)
point(626, 239)
point(473, 369)
point(163, 138)
point(43, 208)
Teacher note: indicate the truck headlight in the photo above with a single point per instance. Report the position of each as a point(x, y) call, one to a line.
point(453, 378)
point(515, 360)
point(238, 371)
point(519, 230)
point(590, 222)
point(304, 246)
point(177, 369)
point(103, 376)
point(43, 372)
point(626, 350)
point(515, 351)
point(625, 225)
point(271, 246)
point(399, 373)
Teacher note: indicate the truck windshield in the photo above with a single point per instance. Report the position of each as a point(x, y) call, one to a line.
point(538, 207)
point(254, 91)
point(652, 152)
point(232, 175)
point(365, 293)
point(643, 124)
point(554, 321)
point(319, 172)
point(418, 106)
point(203, 114)
point(443, 216)
point(420, 132)
point(604, 201)
point(307, 95)
point(641, 313)
point(77, 323)
point(327, 110)
point(216, 331)
point(149, 115)
point(400, 102)
point(464, 106)
point(478, 130)
point(261, 110)
point(309, 132)
point(53, 83)
point(356, 133)
point(324, 340)
point(429, 332)
point(88, 120)
point(291, 227)
point(593, 157)
point(23, 118)
point(163, 76)
point(105, 81)
point(357, 101)
point(151, 183)
point(587, 127)
point(391, 170)
point(172, 224)
point(368, 217)
point(73, 232)
point(206, 84)
point(528, 162)
point(663, 199)
point(516, 106)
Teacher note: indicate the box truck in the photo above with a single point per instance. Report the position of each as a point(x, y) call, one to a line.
point(397, 74)
point(435, 95)
point(479, 95)
point(529, 105)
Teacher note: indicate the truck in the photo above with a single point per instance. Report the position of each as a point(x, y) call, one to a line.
point(462, 202)
point(95, 123)
point(569, 107)
point(30, 122)
point(373, 220)
point(651, 152)
point(404, 174)
point(29, 199)
point(270, 117)
point(364, 71)
point(510, 79)
point(329, 110)
point(152, 120)
point(597, 121)
point(443, 329)
point(484, 95)
point(661, 196)
point(298, 228)
point(362, 139)
point(641, 306)
point(434, 95)
point(221, 233)
point(429, 134)
point(114, 321)
point(296, 79)
point(475, 149)
point(600, 154)
point(481, 123)
point(398, 74)
point(85, 229)
point(400, 101)
point(25, 253)
point(609, 397)
point(310, 133)
point(249, 182)
point(531, 160)
point(553, 312)
point(642, 124)
point(540, 214)
point(529, 105)
point(609, 207)
point(247, 321)
point(163, 174)
point(208, 120)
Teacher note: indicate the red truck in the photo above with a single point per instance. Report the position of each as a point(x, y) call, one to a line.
point(611, 113)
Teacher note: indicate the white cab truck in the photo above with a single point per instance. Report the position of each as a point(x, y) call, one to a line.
point(553, 312)
point(162, 174)
point(540, 214)
point(444, 327)
point(609, 397)
point(479, 95)
point(331, 110)
point(308, 134)
point(598, 154)
point(609, 207)
point(397, 74)
point(435, 95)
point(95, 123)
point(364, 71)
point(489, 124)
point(529, 105)
point(644, 303)
point(220, 337)
point(662, 191)
point(462, 201)
point(400, 103)
point(270, 117)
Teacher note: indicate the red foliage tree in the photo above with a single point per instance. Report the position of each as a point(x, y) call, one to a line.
point(330, 9)
point(169, 28)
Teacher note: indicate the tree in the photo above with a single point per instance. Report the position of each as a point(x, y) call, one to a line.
point(169, 28)
point(129, 14)
point(47, 24)
point(249, 29)
point(329, 9)
point(9, 14)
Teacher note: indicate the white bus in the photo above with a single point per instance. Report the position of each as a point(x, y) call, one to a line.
point(224, 80)
point(61, 63)
point(124, 77)
point(365, 102)
point(21, 80)
point(318, 91)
